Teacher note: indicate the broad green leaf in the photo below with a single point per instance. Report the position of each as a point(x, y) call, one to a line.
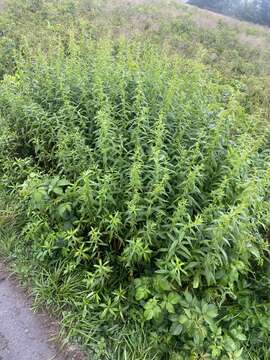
point(212, 311)
point(174, 298)
point(169, 307)
point(182, 319)
point(176, 329)
point(142, 293)
point(162, 284)
point(151, 309)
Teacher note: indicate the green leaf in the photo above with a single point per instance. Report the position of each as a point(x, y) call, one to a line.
point(142, 293)
point(38, 196)
point(174, 298)
point(241, 337)
point(196, 281)
point(238, 354)
point(176, 329)
point(63, 209)
point(229, 344)
point(162, 284)
point(212, 311)
point(169, 307)
point(254, 250)
point(182, 319)
point(188, 297)
point(238, 334)
point(63, 182)
point(57, 190)
point(151, 309)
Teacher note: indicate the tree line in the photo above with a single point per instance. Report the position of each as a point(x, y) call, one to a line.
point(257, 11)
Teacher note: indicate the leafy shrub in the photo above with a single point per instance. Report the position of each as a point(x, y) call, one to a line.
point(143, 196)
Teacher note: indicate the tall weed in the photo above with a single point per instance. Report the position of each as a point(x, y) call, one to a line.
point(142, 188)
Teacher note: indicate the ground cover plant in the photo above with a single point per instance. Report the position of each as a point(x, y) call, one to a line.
point(135, 194)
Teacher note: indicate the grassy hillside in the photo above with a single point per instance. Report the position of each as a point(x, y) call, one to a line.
point(134, 175)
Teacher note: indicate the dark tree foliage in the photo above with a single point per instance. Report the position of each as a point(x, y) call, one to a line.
point(265, 12)
point(257, 11)
point(218, 5)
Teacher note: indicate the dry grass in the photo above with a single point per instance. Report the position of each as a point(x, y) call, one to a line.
point(256, 36)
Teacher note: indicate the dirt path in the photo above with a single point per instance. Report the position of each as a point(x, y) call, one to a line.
point(23, 335)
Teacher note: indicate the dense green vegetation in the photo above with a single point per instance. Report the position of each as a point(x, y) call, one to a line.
point(134, 180)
